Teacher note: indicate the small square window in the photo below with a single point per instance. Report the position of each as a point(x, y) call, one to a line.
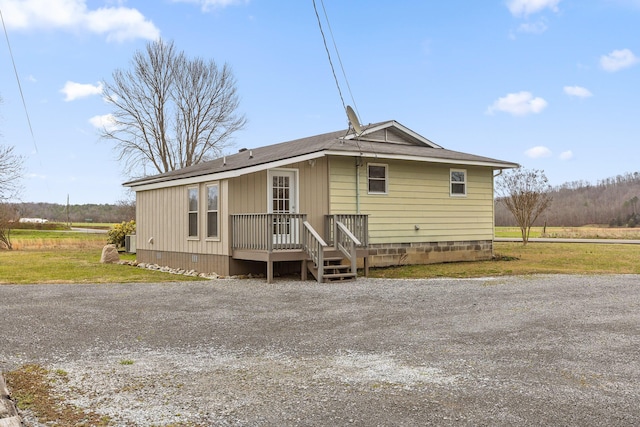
point(458, 182)
point(377, 179)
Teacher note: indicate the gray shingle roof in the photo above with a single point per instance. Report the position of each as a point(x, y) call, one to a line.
point(338, 141)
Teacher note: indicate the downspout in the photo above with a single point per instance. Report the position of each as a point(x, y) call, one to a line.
point(493, 207)
point(358, 164)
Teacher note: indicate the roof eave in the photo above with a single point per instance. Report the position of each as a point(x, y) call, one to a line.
point(153, 184)
point(427, 159)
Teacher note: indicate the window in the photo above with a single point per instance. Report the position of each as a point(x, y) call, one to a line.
point(458, 182)
point(377, 178)
point(193, 212)
point(212, 210)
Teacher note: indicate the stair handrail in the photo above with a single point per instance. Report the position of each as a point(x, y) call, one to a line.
point(314, 246)
point(344, 237)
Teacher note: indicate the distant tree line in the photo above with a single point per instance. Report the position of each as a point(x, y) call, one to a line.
point(612, 201)
point(111, 213)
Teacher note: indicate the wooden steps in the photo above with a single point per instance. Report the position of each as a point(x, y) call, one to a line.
point(333, 270)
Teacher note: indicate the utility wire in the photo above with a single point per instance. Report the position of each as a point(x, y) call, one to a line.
point(326, 48)
point(15, 70)
point(339, 59)
point(344, 107)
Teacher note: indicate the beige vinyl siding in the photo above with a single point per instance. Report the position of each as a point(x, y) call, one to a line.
point(342, 184)
point(418, 194)
point(249, 193)
point(313, 192)
point(166, 220)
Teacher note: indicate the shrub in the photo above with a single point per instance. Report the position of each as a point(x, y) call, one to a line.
point(119, 231)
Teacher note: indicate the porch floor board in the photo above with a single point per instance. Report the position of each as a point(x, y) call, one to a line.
point(265, 256)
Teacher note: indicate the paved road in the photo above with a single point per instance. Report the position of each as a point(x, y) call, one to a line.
point(542, 350)
point(561, 240)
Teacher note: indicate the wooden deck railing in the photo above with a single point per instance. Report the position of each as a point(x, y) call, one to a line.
point(266, 232)
point(314, 246)
point(356, 223)
point(346, 242)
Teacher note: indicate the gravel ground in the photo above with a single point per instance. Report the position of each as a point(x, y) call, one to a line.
point(542, 350)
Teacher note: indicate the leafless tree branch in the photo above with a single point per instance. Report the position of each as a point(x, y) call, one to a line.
point(526, 194)
point(170, 111)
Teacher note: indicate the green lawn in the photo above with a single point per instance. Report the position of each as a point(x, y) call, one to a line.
point(535, 258)
point(63, 257)
point(73, 266)
point(41, 256)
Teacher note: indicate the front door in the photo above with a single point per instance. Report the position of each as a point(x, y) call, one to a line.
point(283, 199)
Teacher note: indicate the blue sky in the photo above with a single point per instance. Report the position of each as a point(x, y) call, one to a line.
point(549, 84)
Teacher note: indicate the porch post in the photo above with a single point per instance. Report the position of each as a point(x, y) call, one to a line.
point(269, 271)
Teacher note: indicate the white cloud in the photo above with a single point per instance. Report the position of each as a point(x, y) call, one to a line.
point(578, 91)
point(36, 176)
point(528, 7)
point(117, 23)
point(74, 90)
point(617, 60)
point(518, 104)
point(207, 5)
point(566, 155)
point(106, 121)
point(538, 152)
point(538, 27)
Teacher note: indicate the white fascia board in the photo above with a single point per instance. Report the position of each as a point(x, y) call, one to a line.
point(399, 126)
point(284, 162)
point(217, 176)
point(423, 159)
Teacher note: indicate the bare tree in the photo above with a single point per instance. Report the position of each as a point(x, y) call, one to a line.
point(11, 169)
point(526, 194)
point(8, 217)
point(171, 111)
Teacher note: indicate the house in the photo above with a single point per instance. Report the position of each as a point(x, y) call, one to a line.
point(326, 204)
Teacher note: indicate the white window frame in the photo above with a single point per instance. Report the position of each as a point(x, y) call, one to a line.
point(216, 210)
point(191, 212)
point(464, 183)
point(295, 195)
point(386, 178)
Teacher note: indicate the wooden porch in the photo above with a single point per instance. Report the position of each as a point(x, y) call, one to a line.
point(272, 238)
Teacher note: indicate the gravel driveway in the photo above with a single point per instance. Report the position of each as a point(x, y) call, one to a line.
point(542, 350)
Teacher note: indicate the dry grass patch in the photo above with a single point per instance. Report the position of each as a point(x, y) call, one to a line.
point(586, 232)
point(31, 387)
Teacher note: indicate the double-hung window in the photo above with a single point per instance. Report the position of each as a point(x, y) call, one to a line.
point(213, 192)
point(377, 176)
point(458, 182)
point(193, 211)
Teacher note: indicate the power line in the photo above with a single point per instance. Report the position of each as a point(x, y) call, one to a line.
point(15, 70)
point(326, 48)
point(344, 74)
